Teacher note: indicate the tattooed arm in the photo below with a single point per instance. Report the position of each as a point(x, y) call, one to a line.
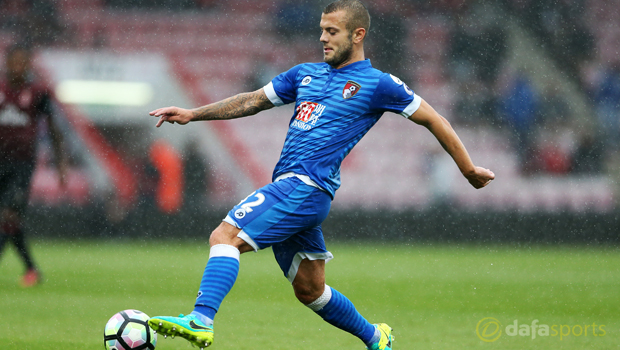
point(238, 106)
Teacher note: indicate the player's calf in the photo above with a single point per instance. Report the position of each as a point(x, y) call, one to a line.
point(339, 311)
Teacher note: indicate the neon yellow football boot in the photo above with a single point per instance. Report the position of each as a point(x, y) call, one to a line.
point(385, 342)
point(188, 327)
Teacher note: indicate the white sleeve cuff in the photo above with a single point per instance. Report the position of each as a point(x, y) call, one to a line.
point(272, 96)
point(413, 106)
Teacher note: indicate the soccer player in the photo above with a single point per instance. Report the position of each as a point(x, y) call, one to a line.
point(336, 103)
point(23, 103)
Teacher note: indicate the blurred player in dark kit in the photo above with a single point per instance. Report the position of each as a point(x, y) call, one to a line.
point(24, 103)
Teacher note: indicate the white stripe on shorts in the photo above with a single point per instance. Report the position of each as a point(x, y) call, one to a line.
point(304, 178)
point(292, 271)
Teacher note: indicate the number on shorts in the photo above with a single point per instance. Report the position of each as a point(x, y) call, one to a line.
point(260, 198)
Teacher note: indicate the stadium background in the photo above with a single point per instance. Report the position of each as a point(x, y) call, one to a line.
point(532, 87)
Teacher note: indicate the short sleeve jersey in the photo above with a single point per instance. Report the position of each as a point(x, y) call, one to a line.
point(20, 110)
point(334, 109)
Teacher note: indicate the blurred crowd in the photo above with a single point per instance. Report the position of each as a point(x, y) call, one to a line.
point(32, 21)
point(545, 133)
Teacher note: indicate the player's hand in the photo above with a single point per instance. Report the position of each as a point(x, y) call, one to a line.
point(480, 177)
point(172, 115)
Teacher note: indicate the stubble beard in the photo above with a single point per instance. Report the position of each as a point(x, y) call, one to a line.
point(342, 55)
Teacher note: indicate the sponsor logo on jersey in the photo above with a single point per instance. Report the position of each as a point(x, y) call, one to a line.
point(240, 213)
point(13, 116)
point(350, 89)
point(308, 113)
point(306, 80)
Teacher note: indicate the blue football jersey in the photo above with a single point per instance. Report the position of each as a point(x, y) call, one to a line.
point(334, 109)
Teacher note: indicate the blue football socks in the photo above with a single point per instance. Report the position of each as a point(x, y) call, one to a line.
point(220, 276)
point(218, 279)
point(340, 312)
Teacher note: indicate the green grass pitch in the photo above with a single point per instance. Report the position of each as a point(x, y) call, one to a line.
point(432, 295)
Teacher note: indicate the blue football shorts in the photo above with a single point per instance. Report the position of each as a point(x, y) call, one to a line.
point(285, 215)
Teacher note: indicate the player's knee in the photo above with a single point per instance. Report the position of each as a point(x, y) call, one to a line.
point(307, 293)
point(227, 234)
point(217, 237)
point(309, 282)
point(317, 304)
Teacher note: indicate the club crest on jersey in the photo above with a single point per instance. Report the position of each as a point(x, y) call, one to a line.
point(350, 89)
point(308, 113)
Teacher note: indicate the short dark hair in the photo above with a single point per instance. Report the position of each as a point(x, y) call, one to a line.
point(357, 13)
